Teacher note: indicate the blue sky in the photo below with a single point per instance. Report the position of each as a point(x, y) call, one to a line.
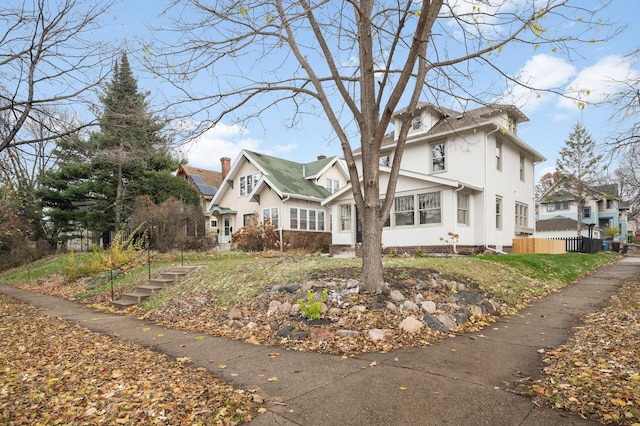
point(551, 117)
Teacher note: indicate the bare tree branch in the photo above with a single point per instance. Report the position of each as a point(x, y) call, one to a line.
point(48, 61)
point(357, 60)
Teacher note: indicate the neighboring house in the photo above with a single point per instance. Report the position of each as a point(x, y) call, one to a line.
point(565, 227)
point(465, 173)
point(602, 208)
point(206, 182)
point(286, 192)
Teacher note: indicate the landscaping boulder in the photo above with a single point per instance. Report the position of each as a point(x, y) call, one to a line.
point(411, 325)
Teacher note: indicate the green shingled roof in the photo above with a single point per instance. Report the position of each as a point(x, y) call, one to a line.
point(289, 176)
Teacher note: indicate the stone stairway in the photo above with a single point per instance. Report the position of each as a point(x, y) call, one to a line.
point(143, 292)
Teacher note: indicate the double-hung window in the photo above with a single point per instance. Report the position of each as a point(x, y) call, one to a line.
point(345, 217)
point(303, 218)
point(272, 215)
point(248, 182)
point(463, 208)
point(522, 215)
point(498, 155)
point(404, 210)
point(522, 168)
point(416, 123)
point(438, 157)
point(498, 212)
point(332, 185)
point(293, 218)
point(429, 208)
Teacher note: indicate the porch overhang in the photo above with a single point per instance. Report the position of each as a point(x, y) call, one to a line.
point(221, 210)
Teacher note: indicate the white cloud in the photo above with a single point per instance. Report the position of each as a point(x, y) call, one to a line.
point(220, 141)
point(600, 80)
point(286, 148)
point(541, 72)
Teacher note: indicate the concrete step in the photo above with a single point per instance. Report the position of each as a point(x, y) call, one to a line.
point(153, 285)
point(160, 281)
point(135, 297)
point(173, 276)
point(122, 304)
point(148, 289)
point(183, 269)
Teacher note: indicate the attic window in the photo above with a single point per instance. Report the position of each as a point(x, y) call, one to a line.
point(417, 122)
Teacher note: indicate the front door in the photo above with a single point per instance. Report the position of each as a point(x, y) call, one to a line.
point(227, 229)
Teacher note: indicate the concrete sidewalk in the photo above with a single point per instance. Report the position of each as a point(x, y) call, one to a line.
point(460, 381)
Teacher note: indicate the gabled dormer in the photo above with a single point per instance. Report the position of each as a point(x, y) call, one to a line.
point(506, 116)
point(425, 117)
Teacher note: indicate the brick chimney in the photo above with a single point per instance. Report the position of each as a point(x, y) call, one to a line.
point(226, 166)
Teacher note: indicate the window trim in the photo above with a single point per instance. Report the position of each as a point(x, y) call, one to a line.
point(522, 167)
point(499, 155)
point(499, 212)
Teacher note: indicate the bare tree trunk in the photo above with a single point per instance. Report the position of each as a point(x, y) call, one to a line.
point(579, 216)
point(372, 272)
point(118, 201)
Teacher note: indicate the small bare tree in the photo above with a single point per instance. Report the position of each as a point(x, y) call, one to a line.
point(49, 62)
point(355, 62)
point(626, 103)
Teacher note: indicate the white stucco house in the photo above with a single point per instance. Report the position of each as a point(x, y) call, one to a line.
point(286, 192)
point(465, 173)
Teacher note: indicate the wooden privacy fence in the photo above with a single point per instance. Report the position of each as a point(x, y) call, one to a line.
point(557, 245)
point(538, 245)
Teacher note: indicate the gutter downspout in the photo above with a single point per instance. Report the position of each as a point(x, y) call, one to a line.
point(282, 201)
point(486, 175)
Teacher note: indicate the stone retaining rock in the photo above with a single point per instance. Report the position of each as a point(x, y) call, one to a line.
point(411, 325)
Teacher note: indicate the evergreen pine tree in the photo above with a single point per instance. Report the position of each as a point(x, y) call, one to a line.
point(64, 193)
point(579, 166)
point(128, 157)
point(129, 142)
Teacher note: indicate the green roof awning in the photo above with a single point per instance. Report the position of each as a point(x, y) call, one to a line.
point(221, 210)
